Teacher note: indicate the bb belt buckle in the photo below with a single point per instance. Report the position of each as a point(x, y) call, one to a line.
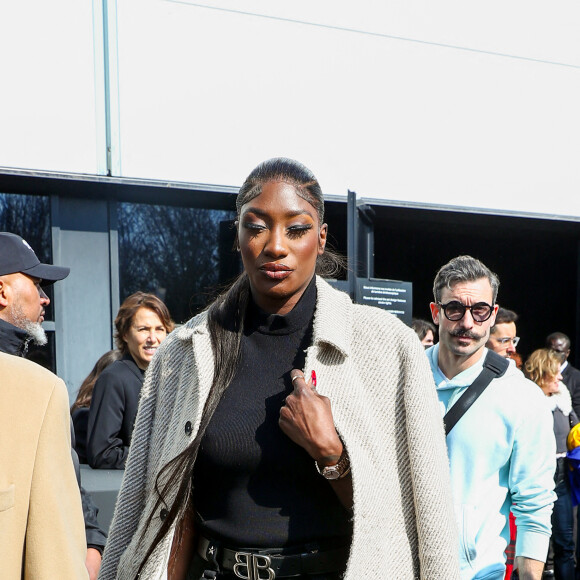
point(250, 566)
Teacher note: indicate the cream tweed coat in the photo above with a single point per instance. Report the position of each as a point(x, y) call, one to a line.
point(374, 370)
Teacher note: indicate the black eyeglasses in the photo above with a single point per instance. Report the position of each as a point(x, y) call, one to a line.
point(455, 311)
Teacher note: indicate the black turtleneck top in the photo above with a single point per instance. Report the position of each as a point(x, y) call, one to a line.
point(253, 487)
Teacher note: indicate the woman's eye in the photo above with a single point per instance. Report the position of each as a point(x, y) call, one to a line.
point(298, 231)
point(253, 227)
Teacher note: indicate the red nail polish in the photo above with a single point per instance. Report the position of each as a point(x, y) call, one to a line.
point(313, 375)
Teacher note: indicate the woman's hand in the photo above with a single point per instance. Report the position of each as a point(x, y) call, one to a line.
point(307, 419)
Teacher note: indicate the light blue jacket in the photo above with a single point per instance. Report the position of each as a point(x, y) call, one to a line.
point(502, 451)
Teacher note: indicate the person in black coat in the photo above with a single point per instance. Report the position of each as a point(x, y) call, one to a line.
point(80, 408)
point(142, 323)
point(560, 344)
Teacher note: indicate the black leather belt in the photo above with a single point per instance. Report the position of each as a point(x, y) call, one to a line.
point(268, 565)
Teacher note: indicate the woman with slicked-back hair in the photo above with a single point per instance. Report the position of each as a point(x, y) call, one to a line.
point(285, 432)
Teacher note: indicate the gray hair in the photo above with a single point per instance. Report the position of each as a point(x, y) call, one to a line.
point(463, 269)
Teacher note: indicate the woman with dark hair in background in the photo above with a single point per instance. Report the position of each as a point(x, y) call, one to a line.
point(142, 323)
point(285, 432)
point(543, 368)
point(426, 331)
point(80, 409)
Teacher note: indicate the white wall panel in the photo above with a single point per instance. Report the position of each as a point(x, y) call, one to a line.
point(47, 94)
point(453, 104)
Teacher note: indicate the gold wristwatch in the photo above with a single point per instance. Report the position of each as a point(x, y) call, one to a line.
point(338, 471)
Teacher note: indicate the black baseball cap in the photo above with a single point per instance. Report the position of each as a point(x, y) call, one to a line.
point(16, 255)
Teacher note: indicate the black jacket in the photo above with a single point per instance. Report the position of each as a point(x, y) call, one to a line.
point(571, 378)
point(14, 341)
point(112, 414)
point(80, 419)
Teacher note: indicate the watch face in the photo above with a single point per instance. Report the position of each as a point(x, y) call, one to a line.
point(331, 472)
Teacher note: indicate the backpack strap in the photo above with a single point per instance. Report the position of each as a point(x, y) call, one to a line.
point(494, 367)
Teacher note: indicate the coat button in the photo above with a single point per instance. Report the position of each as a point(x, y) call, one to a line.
point(163, 514)
point(188, 428)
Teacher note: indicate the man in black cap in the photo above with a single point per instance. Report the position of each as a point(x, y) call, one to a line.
point(22, 298)
point(22, 307)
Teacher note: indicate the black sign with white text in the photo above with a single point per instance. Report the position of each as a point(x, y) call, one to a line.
point(393, 296)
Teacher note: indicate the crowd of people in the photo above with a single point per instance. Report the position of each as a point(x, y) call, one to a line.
point(286, 432)
point(559, 381)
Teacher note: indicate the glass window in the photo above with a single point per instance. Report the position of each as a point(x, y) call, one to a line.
point(183, 255)
point(45, 355)
point(29, 217)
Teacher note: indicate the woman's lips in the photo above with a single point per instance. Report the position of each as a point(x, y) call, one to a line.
point(276, 271)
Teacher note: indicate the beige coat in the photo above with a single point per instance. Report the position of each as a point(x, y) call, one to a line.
point(375, 372)
point(42, 532)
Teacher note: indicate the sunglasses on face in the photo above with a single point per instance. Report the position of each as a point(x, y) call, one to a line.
point(455, 311)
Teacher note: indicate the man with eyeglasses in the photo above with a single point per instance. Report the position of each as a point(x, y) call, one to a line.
point(502, 449)
point(502, 338)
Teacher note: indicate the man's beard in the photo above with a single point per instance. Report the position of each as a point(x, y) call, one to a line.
point(33, 329)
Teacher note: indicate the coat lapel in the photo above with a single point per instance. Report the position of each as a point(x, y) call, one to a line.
point(332, 318)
